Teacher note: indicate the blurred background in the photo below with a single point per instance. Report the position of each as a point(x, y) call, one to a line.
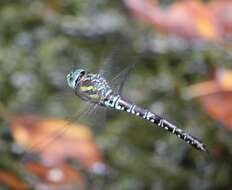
point(182, 56)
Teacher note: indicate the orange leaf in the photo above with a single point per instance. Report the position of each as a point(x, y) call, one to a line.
point(11, 181)
point(219, 106)
point(222, 10)
point(45, 137)
point(61, 176)
point(216, 96)
point(188, 19)
point(222, 82)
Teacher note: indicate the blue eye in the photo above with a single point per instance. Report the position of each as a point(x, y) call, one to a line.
point(74, 77)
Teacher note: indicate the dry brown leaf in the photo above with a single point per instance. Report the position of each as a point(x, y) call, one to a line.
point(62, 176)
point(222, 10)
point(11, 181)
point(47, 137)
point(222, 82)
point(188, 19)
point(216, 96)
point(219, 106)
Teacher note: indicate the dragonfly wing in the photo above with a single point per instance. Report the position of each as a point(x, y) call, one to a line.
point(38, 147)
point(116, 69)
point(109, 64)
point(118, 81)
point(97, 118)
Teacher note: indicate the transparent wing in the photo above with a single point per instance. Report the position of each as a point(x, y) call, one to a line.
point(117, 67)
point(119, 80)
point(39, 147)
point(97, 118)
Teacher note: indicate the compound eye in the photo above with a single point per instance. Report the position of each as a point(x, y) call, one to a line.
point(81, 75)
point(71, 78)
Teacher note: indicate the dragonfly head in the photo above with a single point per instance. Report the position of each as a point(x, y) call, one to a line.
point(74, 76)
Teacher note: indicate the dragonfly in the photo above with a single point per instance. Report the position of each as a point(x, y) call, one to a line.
point(94, 88)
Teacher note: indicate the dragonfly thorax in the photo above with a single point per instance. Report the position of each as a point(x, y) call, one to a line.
point(89, 87)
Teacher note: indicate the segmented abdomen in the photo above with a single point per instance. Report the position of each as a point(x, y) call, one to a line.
point(117, 102)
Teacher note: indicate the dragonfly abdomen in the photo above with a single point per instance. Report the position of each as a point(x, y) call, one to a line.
point(117, 102)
